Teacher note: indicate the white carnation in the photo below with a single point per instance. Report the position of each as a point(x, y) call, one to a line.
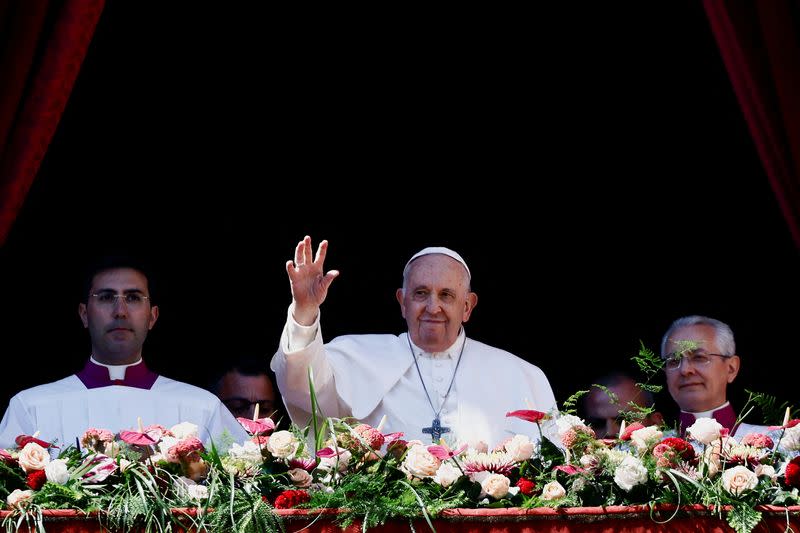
point(184, 430)
point(56, 472)
point(565, 422)
point(629, 473)
point(520, 448)
point(446, 475)
point(790, 441)
point(646, 437)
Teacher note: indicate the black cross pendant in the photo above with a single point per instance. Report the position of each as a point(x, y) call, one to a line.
point(436, 430)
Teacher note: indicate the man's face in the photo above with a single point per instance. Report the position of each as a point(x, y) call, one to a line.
point(241, 393)
point(604, 415)
point(118, 328)
point(436, 301)
point(695, 387)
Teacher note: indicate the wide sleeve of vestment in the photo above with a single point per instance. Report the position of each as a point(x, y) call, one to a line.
point(351, 374)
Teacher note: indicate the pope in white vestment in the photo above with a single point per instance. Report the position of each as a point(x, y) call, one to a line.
point(432, 372)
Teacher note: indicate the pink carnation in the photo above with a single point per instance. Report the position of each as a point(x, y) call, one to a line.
point(757, 440)
point(185, 451)
point(93, 438)
point(372, 436)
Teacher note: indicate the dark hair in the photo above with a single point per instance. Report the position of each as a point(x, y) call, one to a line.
point(114, 262)
point(246, 365)
point(618, 378)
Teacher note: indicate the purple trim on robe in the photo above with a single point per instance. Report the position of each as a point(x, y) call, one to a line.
point(726, 416)
point(95, 376)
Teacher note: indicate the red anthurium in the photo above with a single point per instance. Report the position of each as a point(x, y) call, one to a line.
point(137, 438)
point(569, 469)
point(789, 424)
point(261, 426)
point(329, 452)
point(22, 440)
point(443, 452)
point(528, 414)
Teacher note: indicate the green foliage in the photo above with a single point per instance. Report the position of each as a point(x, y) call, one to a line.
point(569, 407)
point(743, 518)
point(56, 496)
point(768, 405)
point(244, 513)
point(10, 479)
point(647, 361)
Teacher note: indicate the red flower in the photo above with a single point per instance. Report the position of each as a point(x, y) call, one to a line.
point(526, 486)
point(792, 475)
point(684, 449)
point(36, 479)
point(626, 435)
point(528, 414)
point(291, 498)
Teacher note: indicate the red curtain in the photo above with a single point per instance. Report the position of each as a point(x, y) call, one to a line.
point(760, 46)
point(42, 46)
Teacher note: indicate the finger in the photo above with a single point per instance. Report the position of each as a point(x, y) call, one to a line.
point(298, 252)
point(307, 259)
point(322, 251)
point(328, 279)
point(290, 267)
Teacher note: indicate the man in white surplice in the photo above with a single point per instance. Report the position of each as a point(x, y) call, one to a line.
point(115, 387)
point(434, 375)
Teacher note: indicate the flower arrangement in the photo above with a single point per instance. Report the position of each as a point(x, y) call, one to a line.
point(138, 476)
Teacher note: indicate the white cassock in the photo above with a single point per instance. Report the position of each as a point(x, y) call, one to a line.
point(369, 376)
point(66, 408)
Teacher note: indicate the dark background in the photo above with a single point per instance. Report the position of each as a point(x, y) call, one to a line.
point(590, 164)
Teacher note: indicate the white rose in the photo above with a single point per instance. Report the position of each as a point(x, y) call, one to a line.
point(553, 491)
point(705, 430)
point(33, 457)
point(791, 439)
point(494, 485)
point(739, 479)
point(446, 475)
point(629, 473)
point(249, 453)
point(283, 444)
point(184, 430)
point(766, 471)
point(643, 438)
point(420, 463)
point(565, 422)
point(300, 478)
point(19, 498)
point(56, 472)
point(520, 448)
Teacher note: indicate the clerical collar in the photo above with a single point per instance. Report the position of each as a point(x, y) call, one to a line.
point(709, 413)
point(115, 372)
point(95, 375)
point(451, 352)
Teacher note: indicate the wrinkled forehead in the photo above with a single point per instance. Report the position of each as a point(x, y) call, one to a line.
point(437, 270)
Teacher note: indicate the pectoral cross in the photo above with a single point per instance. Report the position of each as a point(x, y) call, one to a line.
point(436, 429)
